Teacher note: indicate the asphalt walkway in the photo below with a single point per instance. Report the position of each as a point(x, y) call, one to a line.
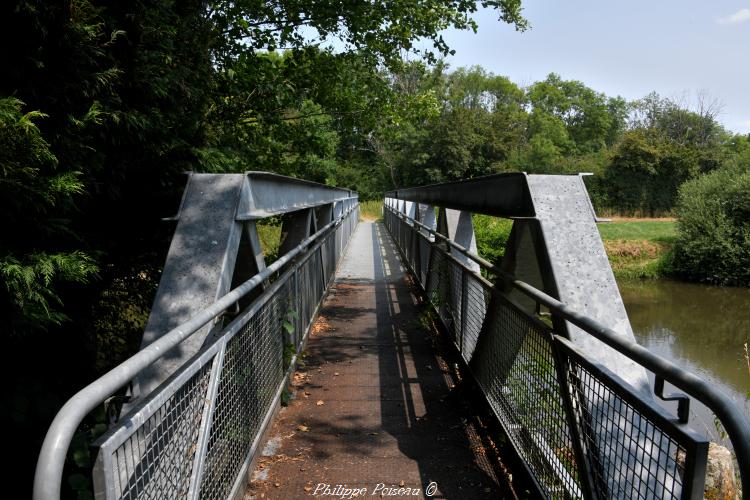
point(372, 412)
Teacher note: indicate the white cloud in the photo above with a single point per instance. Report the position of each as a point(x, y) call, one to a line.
point(741, 16)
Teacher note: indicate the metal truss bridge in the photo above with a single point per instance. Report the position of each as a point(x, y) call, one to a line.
point(338, 329)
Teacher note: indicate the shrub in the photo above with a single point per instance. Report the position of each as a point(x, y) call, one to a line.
point(492, 234)
point(713, 241)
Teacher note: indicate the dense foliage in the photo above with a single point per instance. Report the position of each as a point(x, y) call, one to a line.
point(104, 104)
point(714, 227)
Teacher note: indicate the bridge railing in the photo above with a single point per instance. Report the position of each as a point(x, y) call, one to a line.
point(580, 430)
point(196, 434)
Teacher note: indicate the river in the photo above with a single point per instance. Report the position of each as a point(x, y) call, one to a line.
point(701, 328)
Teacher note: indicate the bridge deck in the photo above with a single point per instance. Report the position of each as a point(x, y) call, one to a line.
point(373, 402)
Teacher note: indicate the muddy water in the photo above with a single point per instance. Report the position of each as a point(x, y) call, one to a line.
point(699, 327)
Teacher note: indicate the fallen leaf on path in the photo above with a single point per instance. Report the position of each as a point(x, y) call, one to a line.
point(320, 402)
point(303, 428)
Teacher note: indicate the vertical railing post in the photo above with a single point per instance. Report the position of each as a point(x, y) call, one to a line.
point(464, 301)
point(298, 304)
point(427, 217)
point(584, 466)
point(201, 447)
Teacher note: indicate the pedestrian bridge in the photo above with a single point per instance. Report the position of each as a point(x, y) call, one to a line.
point(388, 358)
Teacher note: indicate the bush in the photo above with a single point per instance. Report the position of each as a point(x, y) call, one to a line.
point(713, 241)
point(492, 234)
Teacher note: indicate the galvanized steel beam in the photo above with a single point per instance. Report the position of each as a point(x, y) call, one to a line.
point(561, 251)
point(49, 470)
point(198, 270)
point(458, 226)
point(272, 194)
point(216, 227)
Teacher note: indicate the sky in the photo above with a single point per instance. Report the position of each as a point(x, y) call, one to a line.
point(676, 48)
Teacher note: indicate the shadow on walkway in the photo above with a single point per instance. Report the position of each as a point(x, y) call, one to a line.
point(373, 406)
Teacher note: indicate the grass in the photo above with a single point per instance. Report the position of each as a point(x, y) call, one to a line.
point(639, 249)
point(371, 210)
point(660, 230)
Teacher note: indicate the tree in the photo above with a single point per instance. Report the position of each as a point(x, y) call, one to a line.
point(34, 196)
point(592, 121)
point(383, 30)
point(678, 122)
point(697, 130)
point(713, 239)
point(471, 126)
point(646, 171)
point(475, 88)
point(372, 36)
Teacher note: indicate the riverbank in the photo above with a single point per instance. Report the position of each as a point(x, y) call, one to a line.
point(639, 248)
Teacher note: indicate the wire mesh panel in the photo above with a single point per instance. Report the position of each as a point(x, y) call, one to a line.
point(439, 285)
point(515, 366)
point(339, 239)
point(156, 460)
point(252, 370)
point(194, 435)
point(454, 298)
point(424, 255)
point(636, 448)
point(476, 302)
point(311, 285)
point(329, 257)
point(305, 283)
point(579, 429)
point(410, 244)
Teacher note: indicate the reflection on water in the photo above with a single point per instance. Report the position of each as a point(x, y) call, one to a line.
point(699, 327)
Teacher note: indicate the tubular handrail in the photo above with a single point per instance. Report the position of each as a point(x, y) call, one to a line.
point(49, 470)
point(732, 418)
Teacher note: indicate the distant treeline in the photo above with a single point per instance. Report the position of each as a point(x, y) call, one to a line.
point(640, 151)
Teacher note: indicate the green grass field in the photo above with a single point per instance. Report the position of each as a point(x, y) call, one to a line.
point(657, 230)
point(639, 249)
